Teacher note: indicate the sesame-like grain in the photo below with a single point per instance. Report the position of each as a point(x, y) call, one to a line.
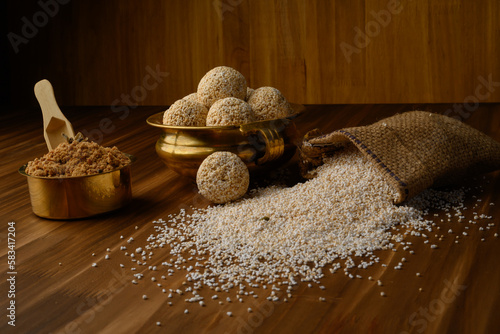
point(281, 235)
point(347, 210)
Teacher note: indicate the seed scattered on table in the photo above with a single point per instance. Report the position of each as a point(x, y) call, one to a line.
point(279, 236)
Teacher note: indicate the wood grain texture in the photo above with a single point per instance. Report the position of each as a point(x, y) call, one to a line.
point(315, 52)
point(58, 291)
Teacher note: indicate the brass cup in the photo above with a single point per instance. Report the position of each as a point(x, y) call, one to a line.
point(79, 196)
point(261, 145)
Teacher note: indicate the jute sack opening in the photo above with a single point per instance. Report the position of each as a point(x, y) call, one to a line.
point(414, 150)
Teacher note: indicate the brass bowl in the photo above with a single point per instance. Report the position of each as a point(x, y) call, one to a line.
point(79, 196)
point(261, 145)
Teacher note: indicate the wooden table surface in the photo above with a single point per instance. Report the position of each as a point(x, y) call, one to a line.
point(58, 291)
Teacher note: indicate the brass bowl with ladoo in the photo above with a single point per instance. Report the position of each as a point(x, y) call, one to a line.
point(262, 145)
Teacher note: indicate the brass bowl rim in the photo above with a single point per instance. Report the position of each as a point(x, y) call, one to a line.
point(153, 120)
point(22, 171)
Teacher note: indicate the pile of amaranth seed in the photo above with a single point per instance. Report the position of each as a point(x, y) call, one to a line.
point(280, 236)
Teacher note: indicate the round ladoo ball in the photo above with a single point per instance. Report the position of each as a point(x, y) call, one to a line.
point(230, 111)
point(249, 92)
point(222, 177)
point(185, 113)
point(191, 97)
point(268, 103)
point(219, 83)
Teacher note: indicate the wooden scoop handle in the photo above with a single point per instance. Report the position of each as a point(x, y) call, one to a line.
point(54, 122)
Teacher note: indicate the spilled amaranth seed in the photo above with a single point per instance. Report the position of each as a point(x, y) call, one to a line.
point(280, 236)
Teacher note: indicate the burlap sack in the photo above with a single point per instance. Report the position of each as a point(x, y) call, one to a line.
point(414, 150)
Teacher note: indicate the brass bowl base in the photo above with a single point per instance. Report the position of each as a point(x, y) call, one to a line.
point(261, 145)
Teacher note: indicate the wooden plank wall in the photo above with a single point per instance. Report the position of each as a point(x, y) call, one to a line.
point(315, 52)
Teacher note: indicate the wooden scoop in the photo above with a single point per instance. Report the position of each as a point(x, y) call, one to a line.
point(54, 122)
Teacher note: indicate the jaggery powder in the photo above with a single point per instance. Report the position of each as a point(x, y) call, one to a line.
point(78, 158)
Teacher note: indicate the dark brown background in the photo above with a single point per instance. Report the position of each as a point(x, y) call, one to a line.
point(94, 51)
